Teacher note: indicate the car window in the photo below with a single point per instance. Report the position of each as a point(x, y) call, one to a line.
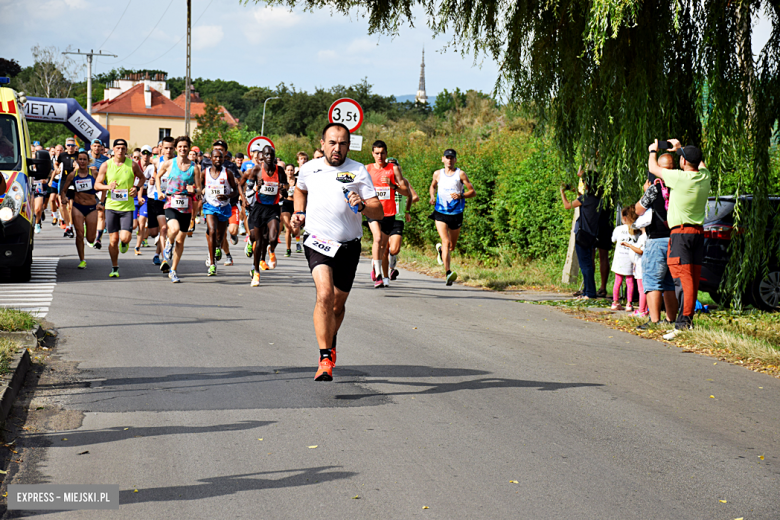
point(719, 211)
point(10, 158)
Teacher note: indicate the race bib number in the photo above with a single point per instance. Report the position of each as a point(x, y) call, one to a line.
point(383, 193)
point(269, 188)
point(120, 195)
point(291, 191)
point(83, 184)
point(218, 190)
point(38, 187)
point(180, 202)
point(322, 245)
point(163, 184)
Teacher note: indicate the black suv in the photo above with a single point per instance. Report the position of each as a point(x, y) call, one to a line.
point(763, 292)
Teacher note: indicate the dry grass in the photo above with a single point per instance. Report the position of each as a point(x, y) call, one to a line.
point(13, 320)
point(7, 349)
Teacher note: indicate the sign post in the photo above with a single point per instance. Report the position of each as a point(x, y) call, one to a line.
point(257, 144)
point(349, 113)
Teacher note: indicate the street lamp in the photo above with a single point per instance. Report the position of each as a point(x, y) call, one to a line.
point(262, 128)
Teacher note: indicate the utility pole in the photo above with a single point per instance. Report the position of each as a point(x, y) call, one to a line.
point(262, 128)
point(89, 72)
point(187, 89)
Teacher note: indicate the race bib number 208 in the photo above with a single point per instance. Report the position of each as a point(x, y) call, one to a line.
point(322, 245)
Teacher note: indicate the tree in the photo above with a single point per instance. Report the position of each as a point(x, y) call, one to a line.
point(608, 76)
point(211, 125)
point(9, 68)
point(52, 75)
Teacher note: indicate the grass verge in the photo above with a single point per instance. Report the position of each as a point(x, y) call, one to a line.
point(750, 338)
point(7, 349)
point(13, 320)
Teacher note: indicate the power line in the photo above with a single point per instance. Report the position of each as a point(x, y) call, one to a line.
point(150, 32)
point(117, 23)
point(166, 52)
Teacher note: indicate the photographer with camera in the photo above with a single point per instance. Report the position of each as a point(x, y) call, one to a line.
point(586, 229)
point(690, 187)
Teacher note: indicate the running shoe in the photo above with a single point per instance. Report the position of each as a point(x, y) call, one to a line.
point(673, 334)
point(228, 260)
point(62, 224)
point(83, 264)
point(114, 272)
point(53, 220)
point(438, 254)
point(212, 270)
point(174, 277)
point(168, 252)
point(241, 229)
point(37, 228)
point(325, 370)
point(234, 239)
point(386, 282)
point(98, 244)
point(137, 251)
point(298, 248)
point(373, 275)
point(271, 259)
point(144, 243)
point(90, 245)
point(218, 254)
point(248, 249)
point(255, 280)
point(69, 233)
point(451, 277)
point(378, 282)
point(208, 260)
point(165, 267)
point(156, 260)
point(123, 247)
point(251, 273)
point(394, 274)
point(263, 265)
point(288, 253)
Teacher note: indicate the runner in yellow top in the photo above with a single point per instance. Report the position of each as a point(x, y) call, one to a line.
point(117, 176)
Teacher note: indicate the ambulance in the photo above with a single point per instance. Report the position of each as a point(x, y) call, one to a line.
point(19, 167)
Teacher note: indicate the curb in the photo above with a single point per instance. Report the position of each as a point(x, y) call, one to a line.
point(20, 362)
point(27, 338)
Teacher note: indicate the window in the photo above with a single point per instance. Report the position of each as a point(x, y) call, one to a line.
point(10, 157)
point(164, 132)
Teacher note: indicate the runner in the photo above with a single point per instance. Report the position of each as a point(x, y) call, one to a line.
point(118, 175)
point(54, 184)
point(40, 189)
point(287, 211)
point(403, 205)
point(182, 174)
point(265, 212)
point(219, 185)
point(387, 180)
point(301, 158)
point(449, 198)
point(318, 153)
point(97, 157)
point(146, 227)
point(156, 203)
point(246, 205)
point(66, 162)
point(232, 230)
point(330, 196)
point(85, 203)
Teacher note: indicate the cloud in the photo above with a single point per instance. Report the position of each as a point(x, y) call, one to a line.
point(326, 55)
point(206, 36)
point(275, 18)
point(361, 46)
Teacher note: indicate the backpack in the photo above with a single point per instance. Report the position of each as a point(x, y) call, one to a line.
point(664, 193)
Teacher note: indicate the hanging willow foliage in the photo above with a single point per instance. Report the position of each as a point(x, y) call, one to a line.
point(609, 76)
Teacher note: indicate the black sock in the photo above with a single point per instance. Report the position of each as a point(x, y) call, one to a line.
point(325, 353)
point(114, 269)
point(448, 272)
point(333, 344)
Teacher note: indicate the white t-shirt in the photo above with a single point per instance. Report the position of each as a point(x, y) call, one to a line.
point(637, 259)
point(328, 214)
point(621, 262)
point(149, 172)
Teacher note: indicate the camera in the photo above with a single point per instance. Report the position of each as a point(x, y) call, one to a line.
point(664, 145)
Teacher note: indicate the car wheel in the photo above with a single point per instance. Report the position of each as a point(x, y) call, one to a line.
point(766, 291)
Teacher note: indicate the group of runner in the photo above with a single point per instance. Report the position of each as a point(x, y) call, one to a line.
point(320, 203)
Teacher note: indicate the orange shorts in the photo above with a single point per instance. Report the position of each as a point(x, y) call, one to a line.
point(233, 216)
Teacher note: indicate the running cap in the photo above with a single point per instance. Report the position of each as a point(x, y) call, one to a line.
point(449, 152)
point(36, 143)
point(220, 142)
point(195, 149)
point(97, 141)
point(690, 154)
point(146, 148)
point(120, 142)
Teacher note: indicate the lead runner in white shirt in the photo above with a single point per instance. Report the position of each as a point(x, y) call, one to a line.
point(322, 207)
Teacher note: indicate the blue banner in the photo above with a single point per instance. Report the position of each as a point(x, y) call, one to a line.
point(68, 112)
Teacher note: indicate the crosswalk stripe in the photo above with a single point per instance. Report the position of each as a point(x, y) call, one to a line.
point(36, 295)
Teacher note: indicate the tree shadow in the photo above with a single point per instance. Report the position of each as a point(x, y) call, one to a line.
point(232, 484)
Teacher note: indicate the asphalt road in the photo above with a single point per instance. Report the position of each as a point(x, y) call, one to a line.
point(201, 397)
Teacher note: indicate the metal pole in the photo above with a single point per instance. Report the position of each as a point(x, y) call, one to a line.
point(89, 72)
point(262, 127)
point(187, 91)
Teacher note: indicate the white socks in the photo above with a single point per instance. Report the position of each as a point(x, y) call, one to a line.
point(377, 267)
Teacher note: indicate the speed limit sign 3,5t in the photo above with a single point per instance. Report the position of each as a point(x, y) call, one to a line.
point(347, 112)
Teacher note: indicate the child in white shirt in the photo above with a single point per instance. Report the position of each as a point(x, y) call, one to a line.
point(622, 265)
point(637, 250)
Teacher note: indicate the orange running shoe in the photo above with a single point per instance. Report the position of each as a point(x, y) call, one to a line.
point(325, 372)
point(271, 259)
point(263, 265)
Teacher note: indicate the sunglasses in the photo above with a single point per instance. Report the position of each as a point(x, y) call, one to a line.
point(70, 144)
point(146, 153)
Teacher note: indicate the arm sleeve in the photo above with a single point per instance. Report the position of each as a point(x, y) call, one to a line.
point(365, 184)
point(649, 197)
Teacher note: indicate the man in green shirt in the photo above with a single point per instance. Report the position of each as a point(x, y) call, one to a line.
point(689, 188)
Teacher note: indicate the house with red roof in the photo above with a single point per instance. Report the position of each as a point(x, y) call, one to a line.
point(139, 109)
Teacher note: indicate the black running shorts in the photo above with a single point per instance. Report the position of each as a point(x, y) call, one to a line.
point(452, 221)
point(343, 264)
point(183, 219)
point(119, 221)
point(262, 214)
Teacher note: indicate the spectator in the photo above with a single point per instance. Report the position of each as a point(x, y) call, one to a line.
point(621, 262)
point(690, 187)
point(656, 279)
point(586, 230)
point(637, 250)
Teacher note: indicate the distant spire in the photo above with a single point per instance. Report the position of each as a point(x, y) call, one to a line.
point(421, 96)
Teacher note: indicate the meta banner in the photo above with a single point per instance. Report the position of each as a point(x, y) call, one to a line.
point(68, 112)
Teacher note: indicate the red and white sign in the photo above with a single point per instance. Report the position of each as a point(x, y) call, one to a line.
point(348, 112)
point(257, 144)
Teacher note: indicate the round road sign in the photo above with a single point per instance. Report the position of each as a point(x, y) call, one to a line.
point(347, 112)
point(258, 143)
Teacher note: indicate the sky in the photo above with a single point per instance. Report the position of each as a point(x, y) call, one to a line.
point(252, 44)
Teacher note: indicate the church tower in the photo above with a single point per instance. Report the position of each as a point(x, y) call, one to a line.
point(421, 96)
